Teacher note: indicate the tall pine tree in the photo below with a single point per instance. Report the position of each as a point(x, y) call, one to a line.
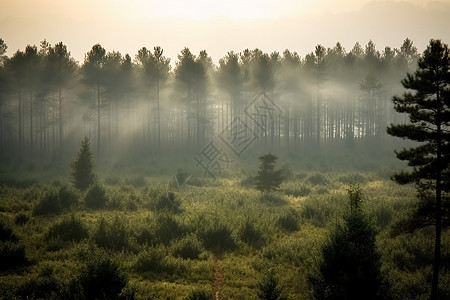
point(427, 104)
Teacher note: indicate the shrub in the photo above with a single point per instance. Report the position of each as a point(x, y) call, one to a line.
point(102, 278)
point(296, 191)
point(317, 179)
point(11, 255)
point(252, 236)
point(188, 247)
point(272, 198)
point(6, 233)
point(112, 235)
point(146, 236)
point(154, 260)
point(269, 288)
point(168, 229)
point(199, 294)
point(21, 218)
point(352, 178)
point(96, 196)
point(167, 201)
point(43, 286)
point(288, 222)
point(67, 196)
point(48, 203)
point(217, 237)
point(68, 229)
point(160, 199)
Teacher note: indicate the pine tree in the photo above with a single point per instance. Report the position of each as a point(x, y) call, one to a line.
point(268, 179)
point(350, 266)
point(83, 175)
point(428, 108)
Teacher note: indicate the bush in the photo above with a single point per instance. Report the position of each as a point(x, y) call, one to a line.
point(146, 236)
point(317, 179)
point(43, 286)
point(7, 234)
point(189, 247)
point(48, 203)
point(288, 222)
point(96, 196)
point(269, 288)
point(160, 199)
point(168, 229)
point(21, 218)
point(69, 229)
point(252, 236)
point(296, 191)
point(11, 255)
point(167, 201)
point(112, 235)
point(199, 294)
point(154, 260)
point(102, 278)
point(67, 196)
point(272, 198)
point(217, 237)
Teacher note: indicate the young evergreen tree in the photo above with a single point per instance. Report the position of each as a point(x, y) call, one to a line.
point(350, 266)
point(268, 179)
point(428, 105)
point(83, 175)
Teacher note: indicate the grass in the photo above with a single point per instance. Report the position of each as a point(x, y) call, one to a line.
point(162, 244)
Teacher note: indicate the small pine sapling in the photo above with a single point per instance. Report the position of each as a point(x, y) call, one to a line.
point(82, 173)
point(268, 179)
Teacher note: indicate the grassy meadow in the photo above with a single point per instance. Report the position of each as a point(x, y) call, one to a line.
point(139, 236)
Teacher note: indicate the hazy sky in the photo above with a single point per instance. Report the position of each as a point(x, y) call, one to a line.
point(221, 26)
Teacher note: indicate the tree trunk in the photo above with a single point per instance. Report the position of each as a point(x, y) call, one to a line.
point(437, 243)
point(98, 122)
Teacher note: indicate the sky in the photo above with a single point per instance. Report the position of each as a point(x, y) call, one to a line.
point(221, 26)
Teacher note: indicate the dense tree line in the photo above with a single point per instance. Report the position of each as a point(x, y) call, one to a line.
point(141, 106)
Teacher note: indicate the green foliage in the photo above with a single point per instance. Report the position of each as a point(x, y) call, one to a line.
point(67, 196)
point(48, 203)
point(289, 221)
point(82, 166)
point(317, 179)
point(217, 237)
point(42, 286)
point(267, 178)
point(168, 228)
point(295, 189)
point(12, 252)
point(199, 294)
point(188, 247)
point(12, 255)
point(68, 229)
point(21, 218)
point(101, 278)
point(269, 287)
point(350, 266)
point(251, 235)
point(96, 196)
point(155, 260)
point(6, 233)
point(428, 110)
point(112, 234)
